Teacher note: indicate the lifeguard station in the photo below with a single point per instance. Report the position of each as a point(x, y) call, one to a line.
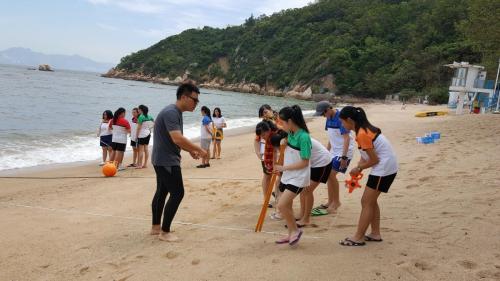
point(469, 88)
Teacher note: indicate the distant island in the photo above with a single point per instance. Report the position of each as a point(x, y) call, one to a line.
point(357, 48)
point(27, 57)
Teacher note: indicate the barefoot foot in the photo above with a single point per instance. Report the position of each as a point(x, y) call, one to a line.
point(168, 237)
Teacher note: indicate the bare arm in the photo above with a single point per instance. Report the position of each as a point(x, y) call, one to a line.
point(365, 164)
point(256, 146)
point(139, 126)
point(295, 166)
point(347, 141)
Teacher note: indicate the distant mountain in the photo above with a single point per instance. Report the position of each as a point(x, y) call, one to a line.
point(24, 56)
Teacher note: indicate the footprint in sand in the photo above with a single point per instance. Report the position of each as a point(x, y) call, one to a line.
point(84, 270)
point(423, 265)
point(426, 179)
point(488, 274)
point(420, 159)
point(467, 264)
point(195, 262)
point(410, 186)
point(125, 278)
point(171, 255)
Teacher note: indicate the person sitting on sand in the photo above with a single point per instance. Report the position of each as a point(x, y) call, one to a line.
point(377, 154)
point(166, 159)
point(321, 172)
point(296, 172)
point(341, 146)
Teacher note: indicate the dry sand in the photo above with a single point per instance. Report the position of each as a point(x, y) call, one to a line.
point(439, 220)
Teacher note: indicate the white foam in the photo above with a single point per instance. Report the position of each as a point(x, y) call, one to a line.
point(85, 148)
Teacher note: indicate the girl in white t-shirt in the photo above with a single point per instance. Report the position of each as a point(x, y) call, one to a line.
point(105, 136)
point(321, 172)
point(377, 154)
point(219, 123)
point(133, 136)
point(296, 171)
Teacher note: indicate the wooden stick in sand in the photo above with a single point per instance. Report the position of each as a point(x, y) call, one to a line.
point(270, 188)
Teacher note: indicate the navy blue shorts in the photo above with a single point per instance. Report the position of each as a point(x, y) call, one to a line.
point(336, 164)
point(105, 141)
point(379, 183)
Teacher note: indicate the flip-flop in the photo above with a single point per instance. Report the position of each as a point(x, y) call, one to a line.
point(295, 238)
point(370, 239)
point(275, 217)
point(318, 212)
point(283, 240)
point(322, 206)
point(350, 243)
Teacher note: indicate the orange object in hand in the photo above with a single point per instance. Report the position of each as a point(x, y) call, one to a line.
point(353, 182)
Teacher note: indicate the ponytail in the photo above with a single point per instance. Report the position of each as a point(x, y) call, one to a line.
point(295, 114)
point(358, 115)
point(117, 114)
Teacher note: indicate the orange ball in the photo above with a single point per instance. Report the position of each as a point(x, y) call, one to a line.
point(109, 169)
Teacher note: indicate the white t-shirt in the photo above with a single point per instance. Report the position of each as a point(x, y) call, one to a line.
point(133, 131)
point(388, 163)
point(337, 143)
point(119, 134)
point(204, 134)
point(104, 131)
point(219, 122)
point(320, 157)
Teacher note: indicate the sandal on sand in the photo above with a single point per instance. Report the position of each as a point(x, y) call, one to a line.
point(370, 239)
point(319, 212)
point(201, 166)
point(132, 165)
point(322, 206)
point(294, 239)
point(283, 240)
point(350, 243)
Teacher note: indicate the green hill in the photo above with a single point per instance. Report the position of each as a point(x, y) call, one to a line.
point(359, 47)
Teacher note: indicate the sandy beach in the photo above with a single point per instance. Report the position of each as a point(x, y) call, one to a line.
point(439, 220)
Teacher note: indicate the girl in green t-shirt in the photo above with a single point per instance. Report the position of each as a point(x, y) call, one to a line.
point(296, 171)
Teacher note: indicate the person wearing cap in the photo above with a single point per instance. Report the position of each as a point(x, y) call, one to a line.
point(341, 147)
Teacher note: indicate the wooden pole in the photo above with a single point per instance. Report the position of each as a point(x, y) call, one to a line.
point(269, 191)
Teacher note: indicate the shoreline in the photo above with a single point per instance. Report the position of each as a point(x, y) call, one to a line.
point(89, 227)
point(128, 153)
point(298, 92)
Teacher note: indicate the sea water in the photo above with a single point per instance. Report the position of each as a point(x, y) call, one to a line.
point(53, 117)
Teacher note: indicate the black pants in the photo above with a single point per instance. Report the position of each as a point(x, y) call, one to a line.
point(168, 180)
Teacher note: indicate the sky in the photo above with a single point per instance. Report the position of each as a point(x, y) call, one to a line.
point(107, 30)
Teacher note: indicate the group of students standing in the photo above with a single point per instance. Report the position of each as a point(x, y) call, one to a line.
point(307, 163)
point(114, 131)
point(212, 130)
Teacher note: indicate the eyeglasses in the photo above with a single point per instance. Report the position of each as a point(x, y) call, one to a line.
point(194, 99)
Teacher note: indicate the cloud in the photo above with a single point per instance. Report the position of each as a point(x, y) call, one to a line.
point(138, 6)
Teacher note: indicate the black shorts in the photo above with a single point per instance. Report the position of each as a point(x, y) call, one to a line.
point(381, 184)
point(144, 141)
point(105, 141)
point(266, 171)
point(118, 146)
point(292, 188)
point(133, 144)
point(321, 174)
